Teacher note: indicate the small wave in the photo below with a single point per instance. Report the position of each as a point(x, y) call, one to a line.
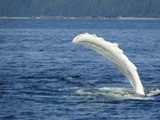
point(8, 117)
point(70, 77)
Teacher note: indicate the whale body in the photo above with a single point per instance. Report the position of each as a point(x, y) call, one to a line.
point(115, 55)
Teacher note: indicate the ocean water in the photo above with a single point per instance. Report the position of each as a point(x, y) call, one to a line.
point(44, 76)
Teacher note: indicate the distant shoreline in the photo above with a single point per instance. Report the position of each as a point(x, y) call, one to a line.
point(77, 18)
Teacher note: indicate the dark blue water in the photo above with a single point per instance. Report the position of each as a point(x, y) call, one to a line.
point(44, 76)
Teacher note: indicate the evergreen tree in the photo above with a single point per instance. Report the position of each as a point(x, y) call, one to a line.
point(81, 8)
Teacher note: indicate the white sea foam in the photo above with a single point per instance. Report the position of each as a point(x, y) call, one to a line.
point(153, 92)
point(117, 93)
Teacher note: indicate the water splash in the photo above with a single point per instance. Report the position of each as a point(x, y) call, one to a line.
point(118, 93)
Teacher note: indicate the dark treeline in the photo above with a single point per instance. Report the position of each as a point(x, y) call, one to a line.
point(80, 8)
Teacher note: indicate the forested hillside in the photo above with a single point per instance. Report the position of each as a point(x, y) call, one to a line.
point(80, 8)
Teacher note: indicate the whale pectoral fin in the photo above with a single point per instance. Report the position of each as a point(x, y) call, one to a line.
point(115, 55)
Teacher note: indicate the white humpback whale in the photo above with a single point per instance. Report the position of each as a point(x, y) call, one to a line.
point(115, 55)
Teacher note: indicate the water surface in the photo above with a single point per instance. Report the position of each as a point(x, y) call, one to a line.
point(43, 75)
